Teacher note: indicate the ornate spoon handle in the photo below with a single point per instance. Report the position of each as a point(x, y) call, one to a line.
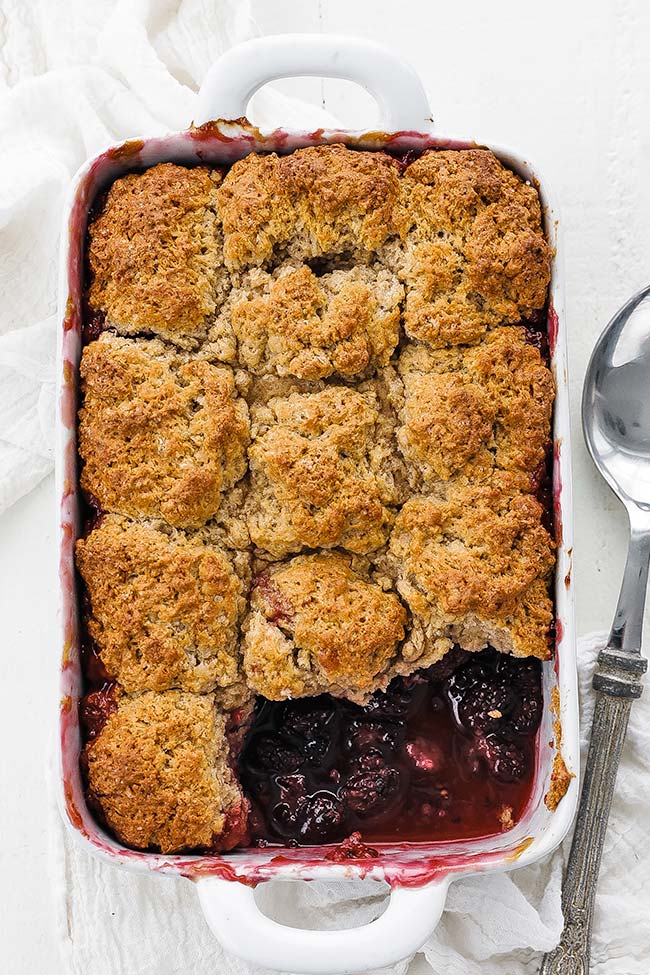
point(617, 683)
point(611, 715)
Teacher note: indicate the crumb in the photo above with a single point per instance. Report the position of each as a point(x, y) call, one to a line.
point(505, 818)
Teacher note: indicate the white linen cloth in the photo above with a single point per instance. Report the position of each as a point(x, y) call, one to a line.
point(74, 76)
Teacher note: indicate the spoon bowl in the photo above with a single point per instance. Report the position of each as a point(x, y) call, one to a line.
point(616, 403)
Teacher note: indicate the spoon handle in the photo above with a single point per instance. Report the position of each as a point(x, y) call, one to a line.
point(617, 683)
point(611, 715)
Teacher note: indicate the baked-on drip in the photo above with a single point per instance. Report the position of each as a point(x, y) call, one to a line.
point(324, 472)
point(164, 606)
point(156, 256)
point(158, 772)
point(314, 430)
point(161, 434)
point(317, 625)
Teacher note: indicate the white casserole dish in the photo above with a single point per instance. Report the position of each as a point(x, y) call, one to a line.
point(418, 873)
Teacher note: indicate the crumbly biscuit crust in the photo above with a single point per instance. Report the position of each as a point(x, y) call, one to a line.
point(476, 565)
point(472, 253)
point(165, 607)
point(161, 434)
point(319, 201)
point(156, 255)
point(471, 410)
point(317, 625)
point(293, 322)
point(323, 471)
point(159, 772)
point(312, 244)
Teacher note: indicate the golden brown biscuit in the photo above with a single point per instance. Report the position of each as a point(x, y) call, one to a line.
point(161, 434)
point(317, 625)
point(323, 200)
point(323, 472)
point(470, 410)
point(164, 606)
point(294, 323)
point(476, 567)
point(156, 253)
point(472, 252)
point(159, 773)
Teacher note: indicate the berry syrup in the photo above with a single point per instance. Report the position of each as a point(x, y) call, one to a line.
point(445, 754)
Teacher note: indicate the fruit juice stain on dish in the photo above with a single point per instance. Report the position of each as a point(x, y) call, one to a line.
point(444, 754)
point(96, 708)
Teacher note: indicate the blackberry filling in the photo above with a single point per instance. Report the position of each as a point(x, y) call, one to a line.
point(448, 752)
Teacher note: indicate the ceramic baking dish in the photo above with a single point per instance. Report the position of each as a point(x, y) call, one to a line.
point(419, 873)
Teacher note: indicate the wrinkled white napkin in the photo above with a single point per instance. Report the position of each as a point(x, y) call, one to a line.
point(74, 76)
point(113, 921)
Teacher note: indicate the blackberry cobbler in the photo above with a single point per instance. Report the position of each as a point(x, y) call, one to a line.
point(314, 435)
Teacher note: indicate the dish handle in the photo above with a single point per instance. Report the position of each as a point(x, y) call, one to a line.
point(232, 81)
point(238, 924)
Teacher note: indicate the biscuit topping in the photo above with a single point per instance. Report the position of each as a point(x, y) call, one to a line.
point(470, 410)
point(295, 323)
point(155, 253)
point(324, 472)
point(472, 252)
point(317, 625)
point(165, 606)
point(323, 200)
point(477, 565)
point(159, 774)
point(160, 434)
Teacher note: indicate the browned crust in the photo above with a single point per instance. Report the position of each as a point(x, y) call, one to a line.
point(317, 625)
point(294, 323)
point(155, 250)
point(159, 774)
point(324, 472)
point(161, 434)
point(473, 253)
point(165, 606)
point(477, 564)
point(468, 411)
point(317, 201)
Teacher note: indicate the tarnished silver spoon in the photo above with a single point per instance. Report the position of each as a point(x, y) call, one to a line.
point(616, 425)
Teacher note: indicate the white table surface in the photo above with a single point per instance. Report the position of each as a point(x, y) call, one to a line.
point(566, 82)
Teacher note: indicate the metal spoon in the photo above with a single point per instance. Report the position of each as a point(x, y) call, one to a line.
point(616, 425)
